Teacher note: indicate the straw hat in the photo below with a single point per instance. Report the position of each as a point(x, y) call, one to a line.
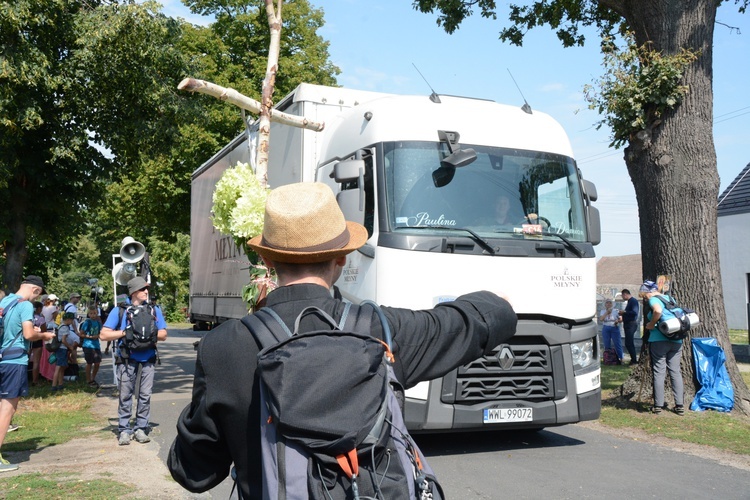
point(304, 224)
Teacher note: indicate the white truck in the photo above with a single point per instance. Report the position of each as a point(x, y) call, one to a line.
point(457, 195)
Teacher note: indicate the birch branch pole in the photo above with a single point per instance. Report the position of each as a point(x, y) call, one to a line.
point(231, 96)
point(269, 83)
point(265, 107)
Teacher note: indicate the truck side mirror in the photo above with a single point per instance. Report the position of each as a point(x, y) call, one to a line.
point(594, 225)
point(589, 189)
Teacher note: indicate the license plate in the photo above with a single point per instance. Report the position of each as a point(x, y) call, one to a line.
point(502, 415)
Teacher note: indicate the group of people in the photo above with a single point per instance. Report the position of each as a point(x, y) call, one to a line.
point(665, 353)
point(28, 324)
point(71, 334)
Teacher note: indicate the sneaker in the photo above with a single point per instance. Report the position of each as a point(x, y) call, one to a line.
point(679, 410)
point(656, 410)
point(6, 466)
point(12, 427)
point(141, 436)
point(124, 438)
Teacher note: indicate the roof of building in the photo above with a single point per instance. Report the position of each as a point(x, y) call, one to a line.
point(736, 197)
point(624, 270)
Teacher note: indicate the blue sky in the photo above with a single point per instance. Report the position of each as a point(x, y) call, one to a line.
point(377, 44)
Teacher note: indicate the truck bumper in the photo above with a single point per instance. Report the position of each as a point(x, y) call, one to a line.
point(542, 379)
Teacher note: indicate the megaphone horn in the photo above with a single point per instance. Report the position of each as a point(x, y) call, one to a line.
point(123, 272)
point(131, 251)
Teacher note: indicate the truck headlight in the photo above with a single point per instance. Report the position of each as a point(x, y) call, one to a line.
point(583, 354)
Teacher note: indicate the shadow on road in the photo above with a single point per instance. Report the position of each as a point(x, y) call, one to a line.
point(490, 441)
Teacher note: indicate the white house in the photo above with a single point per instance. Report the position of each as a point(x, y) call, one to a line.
point(734, 249)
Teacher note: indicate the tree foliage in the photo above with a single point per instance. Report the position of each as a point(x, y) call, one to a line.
point(95, 138)
point(49, 168)
point(638, 87)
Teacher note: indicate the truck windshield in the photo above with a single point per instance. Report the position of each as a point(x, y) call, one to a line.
point(495, 196)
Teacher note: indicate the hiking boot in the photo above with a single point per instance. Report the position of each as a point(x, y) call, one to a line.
point(656, 410)
point(124, 438)
point(679, 410)
point(6, 466)
point(141, 436)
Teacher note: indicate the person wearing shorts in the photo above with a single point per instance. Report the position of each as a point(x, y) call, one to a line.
point(92, 350)
point(18, 334)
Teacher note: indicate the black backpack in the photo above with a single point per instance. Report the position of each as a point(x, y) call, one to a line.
point(331, 423)
point(9, 352)
point(140, 328)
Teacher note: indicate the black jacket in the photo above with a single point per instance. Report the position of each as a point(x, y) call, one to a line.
point(220, 426)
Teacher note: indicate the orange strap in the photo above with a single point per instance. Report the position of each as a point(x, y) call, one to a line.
point(388, 353)
point(349, 463)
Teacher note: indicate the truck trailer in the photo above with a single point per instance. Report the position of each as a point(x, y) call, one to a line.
point(457, 195)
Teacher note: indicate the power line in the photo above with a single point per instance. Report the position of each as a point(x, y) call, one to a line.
point(606, 154)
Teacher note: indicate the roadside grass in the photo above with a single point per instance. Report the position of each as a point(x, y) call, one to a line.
point(738, 336)
point(52, 485)
point(721, 430)
point(52, 418)
point(49, 419)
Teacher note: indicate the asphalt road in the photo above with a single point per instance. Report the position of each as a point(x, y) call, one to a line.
point(564, 462)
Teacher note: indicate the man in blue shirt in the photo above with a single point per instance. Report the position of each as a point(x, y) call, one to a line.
point(19, 332)
point(134, 363)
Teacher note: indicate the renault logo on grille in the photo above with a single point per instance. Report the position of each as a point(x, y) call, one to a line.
point(505, 357)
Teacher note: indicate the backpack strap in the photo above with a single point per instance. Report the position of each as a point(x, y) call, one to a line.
point(670, 304)
point(13, 352)
point(267, 327)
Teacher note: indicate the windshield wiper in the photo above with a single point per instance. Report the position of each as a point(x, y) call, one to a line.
point(474, 236)
point(567, 242)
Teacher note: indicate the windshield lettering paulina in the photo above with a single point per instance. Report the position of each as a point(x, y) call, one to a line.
point(503, 193)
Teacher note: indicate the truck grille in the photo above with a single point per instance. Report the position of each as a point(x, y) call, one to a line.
point(530, 376)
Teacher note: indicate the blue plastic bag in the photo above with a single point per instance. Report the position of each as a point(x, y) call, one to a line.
point(716, 392)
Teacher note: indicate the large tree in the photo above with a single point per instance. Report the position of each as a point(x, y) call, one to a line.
point(670, 156)
point(47, 166)
point(78, 109)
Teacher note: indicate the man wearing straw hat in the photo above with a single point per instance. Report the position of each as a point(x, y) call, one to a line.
point(306, 239)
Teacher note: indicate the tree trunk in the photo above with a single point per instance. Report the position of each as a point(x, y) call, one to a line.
point(673, 169)
point(16, 251)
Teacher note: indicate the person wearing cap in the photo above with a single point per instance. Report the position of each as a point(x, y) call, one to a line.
point(306, 239)
point(72, 305)
point(666, 354)
point(19, 333)
point(133, 365)
point(51, 308)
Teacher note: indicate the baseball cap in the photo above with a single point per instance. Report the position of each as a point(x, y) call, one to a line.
point(75, 295)
point(649, 286)
point(52, 297)
point(34, 280)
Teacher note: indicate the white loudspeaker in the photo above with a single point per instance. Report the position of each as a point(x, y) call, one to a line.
point(131, 251)
point(124, 272)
